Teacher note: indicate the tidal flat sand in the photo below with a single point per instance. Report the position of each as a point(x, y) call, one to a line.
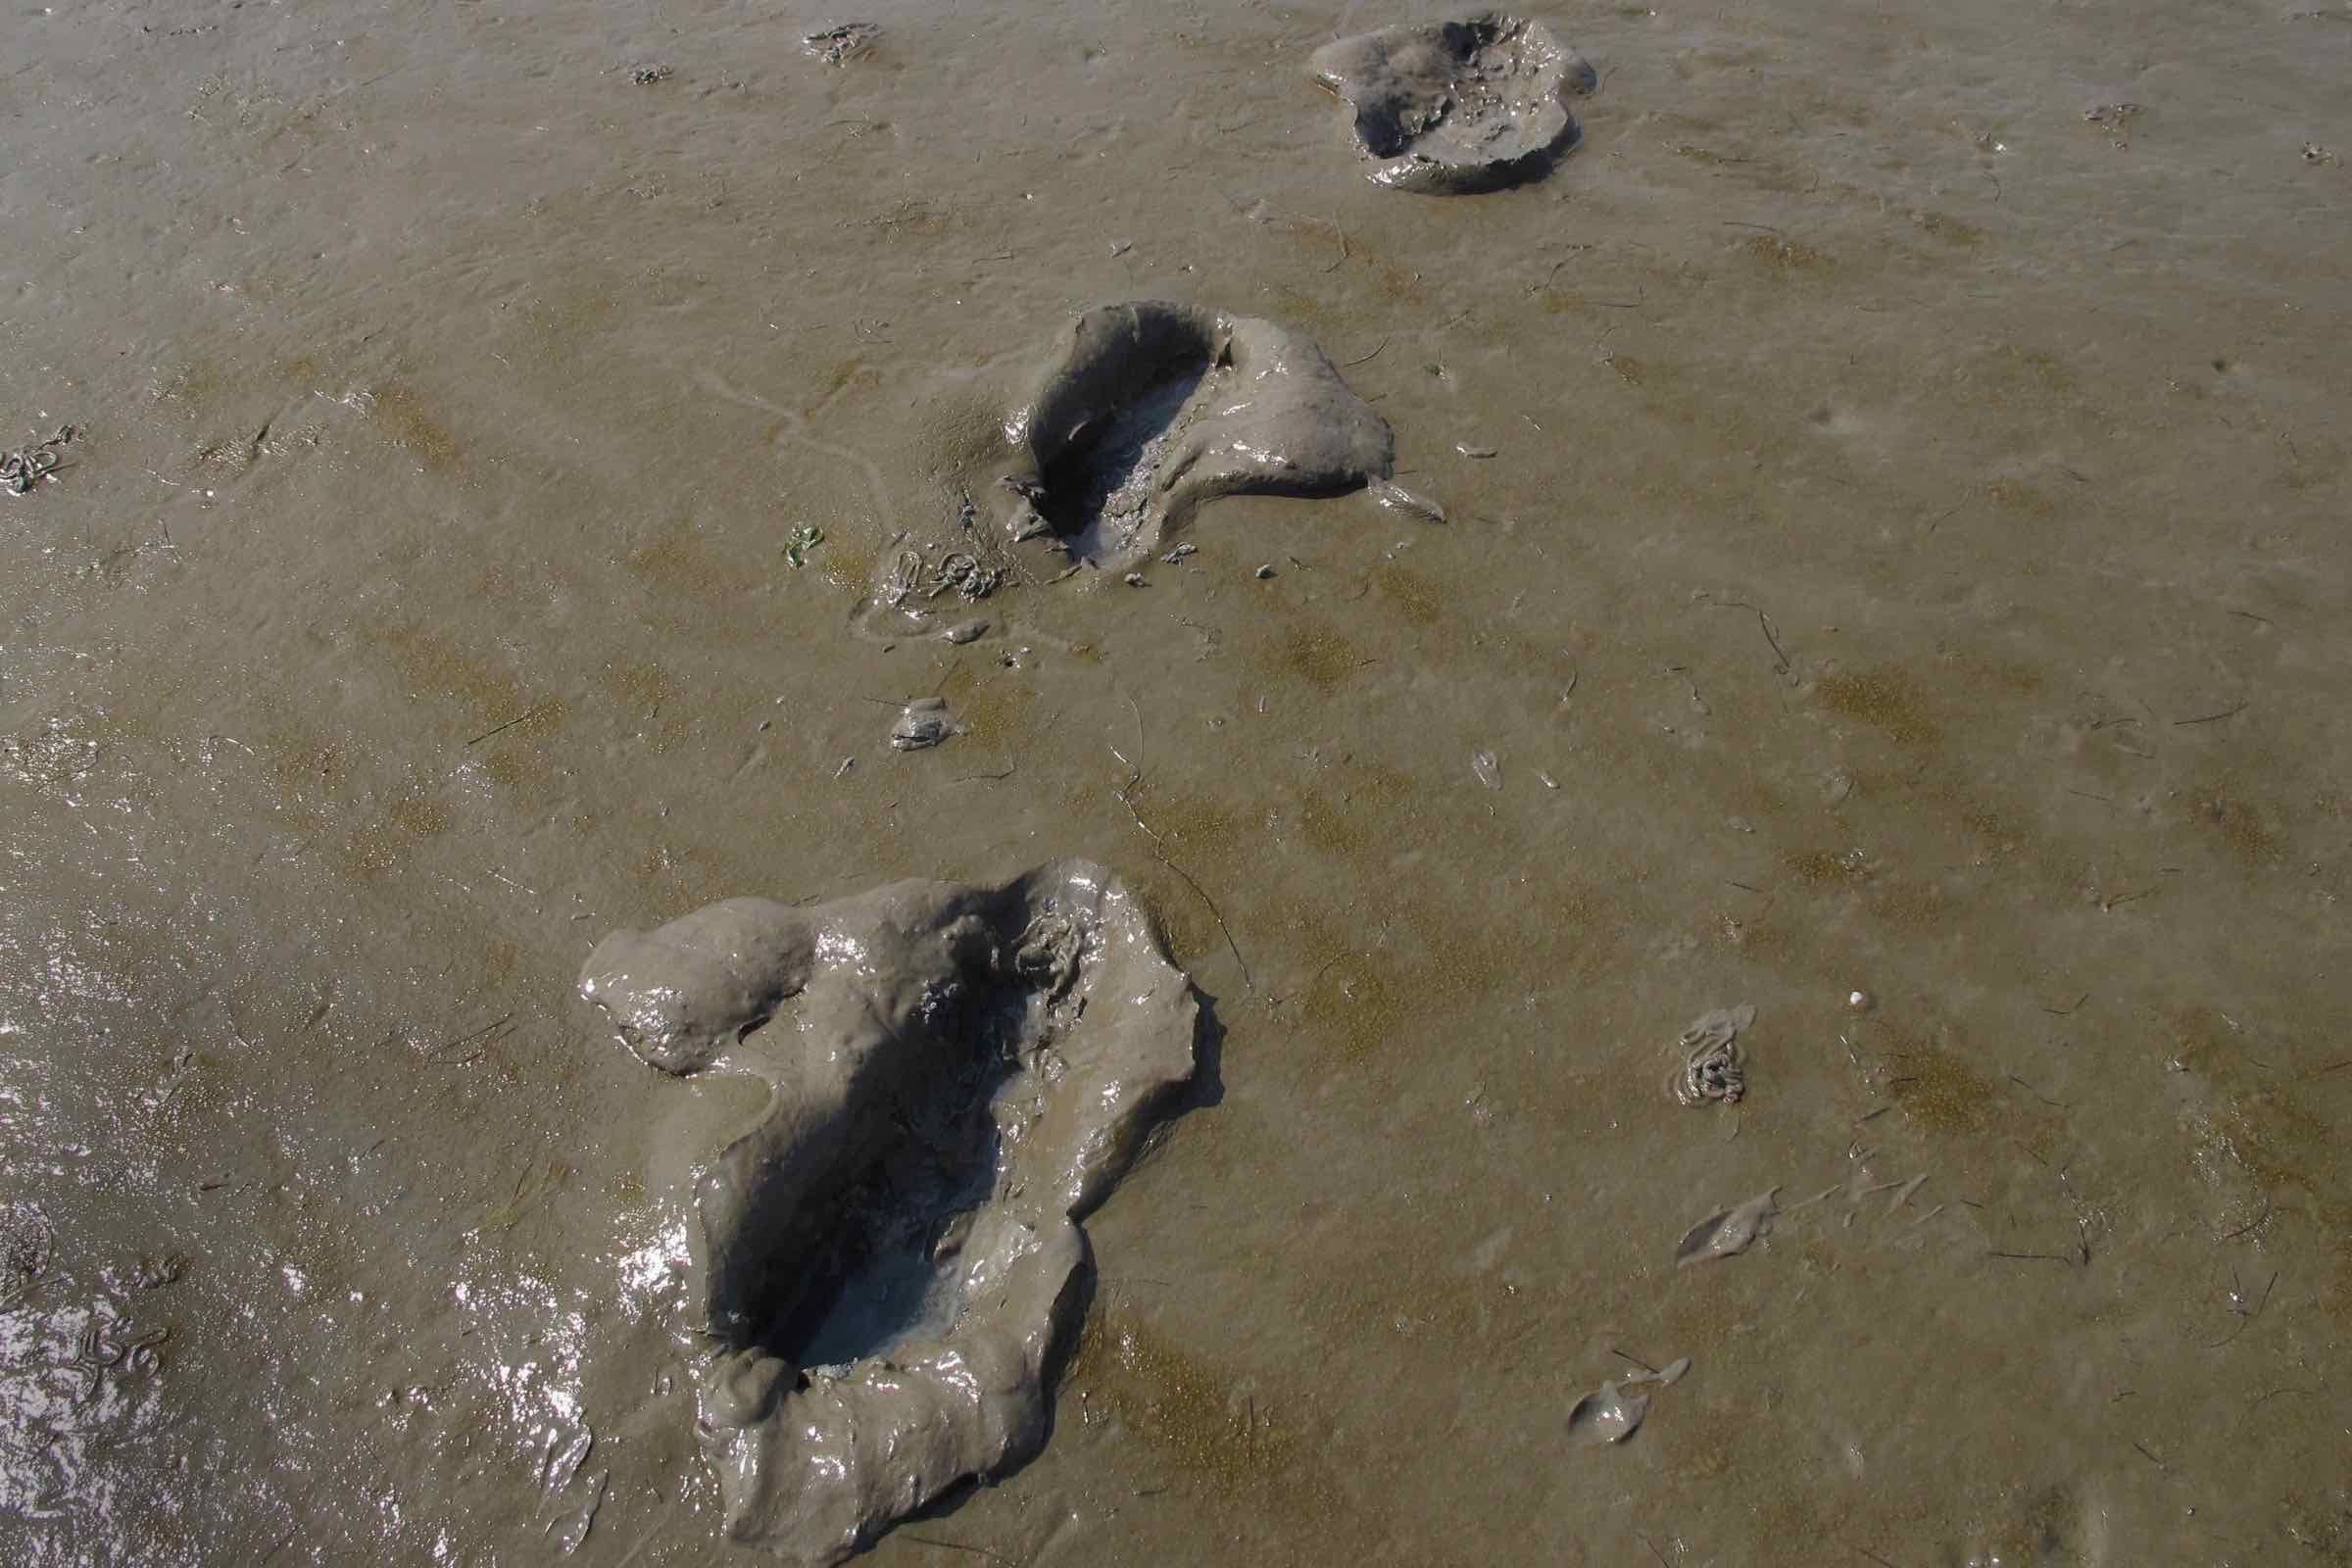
point(1894, 477)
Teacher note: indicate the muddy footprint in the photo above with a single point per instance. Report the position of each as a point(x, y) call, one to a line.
point(1151, 409)
point(1458, 106)
point(912, 1097)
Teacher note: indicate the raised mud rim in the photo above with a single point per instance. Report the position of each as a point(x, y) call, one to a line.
point(1384, 107)
point(1044, 1006)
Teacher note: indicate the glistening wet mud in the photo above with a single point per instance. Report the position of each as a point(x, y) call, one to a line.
point(479, 452)
point(1099, 488)
point(884, 1265)
point(1155, 408)
point(1457, 106)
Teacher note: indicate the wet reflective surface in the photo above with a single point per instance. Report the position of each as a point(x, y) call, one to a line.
point(1910, 545)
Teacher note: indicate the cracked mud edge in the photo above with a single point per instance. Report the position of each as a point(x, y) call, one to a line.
point(879, 1244)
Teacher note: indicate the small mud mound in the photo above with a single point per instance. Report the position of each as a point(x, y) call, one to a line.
point(1153, 407)
point(1459, 106)
point(916, 1094)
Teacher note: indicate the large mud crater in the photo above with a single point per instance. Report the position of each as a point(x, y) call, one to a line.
point(1151, 409)
point(878, 1244)
point(1458, 106)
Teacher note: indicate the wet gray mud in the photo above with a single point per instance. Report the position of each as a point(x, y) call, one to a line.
point(1728, 1232)
point(1151, 409)
point(1903, 568)
point(1459, 106)
point(881, 1265)
point(838, 45)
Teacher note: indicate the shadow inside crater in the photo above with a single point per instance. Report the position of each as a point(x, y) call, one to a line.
point(1153, 407)
point(1101, 485)
point(883, 1252)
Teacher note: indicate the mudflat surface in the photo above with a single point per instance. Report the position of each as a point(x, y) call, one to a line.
point(1913, 545)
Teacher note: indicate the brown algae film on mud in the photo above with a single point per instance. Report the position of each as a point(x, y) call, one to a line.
point(886, 1265)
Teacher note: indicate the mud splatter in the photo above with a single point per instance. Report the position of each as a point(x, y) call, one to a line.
point(1727, 1232)
point(1608, 1416)
point(839, 45)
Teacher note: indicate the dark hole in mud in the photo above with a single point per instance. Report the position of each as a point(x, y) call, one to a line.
point(1100, 487)
point(888, 1269)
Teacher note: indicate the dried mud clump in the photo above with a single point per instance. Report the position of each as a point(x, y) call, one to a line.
point(1459, 106)
point(910, 1098)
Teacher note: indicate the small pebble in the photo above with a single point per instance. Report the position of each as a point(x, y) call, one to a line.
point(1135, 579)
point(1263, 572)
point(1859, 1002)
point(1467, 450)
